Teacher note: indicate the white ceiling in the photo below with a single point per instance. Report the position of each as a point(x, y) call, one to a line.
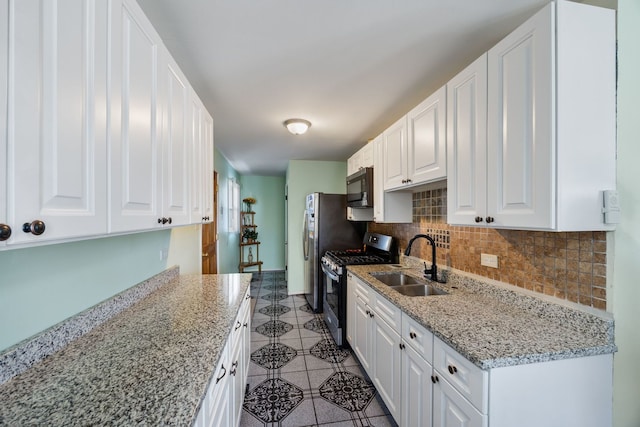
point(351, 67)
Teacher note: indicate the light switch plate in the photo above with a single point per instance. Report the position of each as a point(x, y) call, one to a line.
point(489, 260)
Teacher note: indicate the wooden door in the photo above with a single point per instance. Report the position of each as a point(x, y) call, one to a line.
point(210, 236)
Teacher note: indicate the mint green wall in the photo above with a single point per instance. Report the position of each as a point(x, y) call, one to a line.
point(626, 271)
point(228, 255)
point(304, 177)
point(269, 194)
point(42, 286)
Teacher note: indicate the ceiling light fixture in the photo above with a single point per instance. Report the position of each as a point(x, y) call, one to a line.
point(297, 126)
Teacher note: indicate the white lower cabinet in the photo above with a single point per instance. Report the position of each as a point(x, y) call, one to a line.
point(222, 405)
point(424, 382)
point(375, 342)
point(416, 389)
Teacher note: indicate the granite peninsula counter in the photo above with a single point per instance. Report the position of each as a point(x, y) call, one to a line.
point(150, 364)
point(494, 326)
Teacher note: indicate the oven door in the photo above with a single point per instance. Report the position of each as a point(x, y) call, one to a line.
point(334, 304)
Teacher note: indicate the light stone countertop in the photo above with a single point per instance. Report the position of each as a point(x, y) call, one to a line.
point(148, 365)
point(495, 327)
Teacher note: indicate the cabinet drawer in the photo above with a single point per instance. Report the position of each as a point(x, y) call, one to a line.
point(418, 337)
point(464, 376)
point(387, 311)
point(362, 290)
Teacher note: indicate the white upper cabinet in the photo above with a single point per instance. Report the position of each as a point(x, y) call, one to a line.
point(175, 95)
point(393, 206)
point(55, 119)
point(201, 162)
point(363, 158)
point(467, 144)
point(415, 146)
point(136, 157)
point(206, 156)
point(81, 161)
point(5, 229)
point(550, 127)
point(427, 146)
point(395, 155)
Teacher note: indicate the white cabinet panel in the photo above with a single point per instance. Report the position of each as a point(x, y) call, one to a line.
point(135, 146)
point(427, 147)
point(392, 206)
point(5, 228)
point(197, 138)
point(520, 119)
point(56, 128)
point(362, 333)
point(467, 144)
point(386, 363)
point(416, 403)
point(176, 132)
point(450, 409)
point(206, 156)
point(395, 154)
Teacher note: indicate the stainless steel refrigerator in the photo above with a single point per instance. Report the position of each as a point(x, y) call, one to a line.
point(325, 227)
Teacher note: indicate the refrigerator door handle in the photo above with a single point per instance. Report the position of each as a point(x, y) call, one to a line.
point(305, 236)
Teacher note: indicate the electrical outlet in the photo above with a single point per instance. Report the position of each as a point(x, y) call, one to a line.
point(164, 254)
point(489, 260)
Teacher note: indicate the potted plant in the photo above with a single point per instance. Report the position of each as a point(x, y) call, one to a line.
point(249, 201)
point(249, 234)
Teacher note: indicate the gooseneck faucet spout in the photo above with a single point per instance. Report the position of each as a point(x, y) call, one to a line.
point(433, 271)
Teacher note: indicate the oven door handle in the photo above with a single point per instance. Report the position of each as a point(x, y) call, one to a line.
point(333, 276)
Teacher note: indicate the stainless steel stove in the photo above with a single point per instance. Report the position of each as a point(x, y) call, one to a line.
point(377, 249)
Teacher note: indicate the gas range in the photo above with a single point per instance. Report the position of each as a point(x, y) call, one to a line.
point(336, 260)
point(377, 249)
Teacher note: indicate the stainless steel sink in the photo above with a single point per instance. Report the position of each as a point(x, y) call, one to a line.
point(396, 278)
point(418, 290)
point(407, 285)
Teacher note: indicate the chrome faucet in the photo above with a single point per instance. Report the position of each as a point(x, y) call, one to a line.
point(433, 271)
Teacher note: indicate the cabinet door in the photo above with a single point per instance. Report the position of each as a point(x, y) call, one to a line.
point(520, 154)
point(207, 167)
point(4, 55)
point(385, 364)
point(217, 400)
point(416, 389)
point(353, 163)
point(362, 334)
point(427, 159)
point(395, 155)
point(394, 206)
point(197, 137)
point(135, 147)
point(56, 128)
point(236, 383)
point(467, 144)
point(450, 409)
point(176, 133)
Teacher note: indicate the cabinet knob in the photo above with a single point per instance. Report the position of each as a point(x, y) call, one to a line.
point(371, 314)
point(409, 181)
point(5, 232)
point(434, 379)
point(401, 346)
point(452, 369)
point(489, 219)
point(412, 335)
point(35, 227)
point(478, 219)
point(238, 325)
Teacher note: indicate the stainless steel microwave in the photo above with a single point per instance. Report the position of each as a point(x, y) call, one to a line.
point(360, 189)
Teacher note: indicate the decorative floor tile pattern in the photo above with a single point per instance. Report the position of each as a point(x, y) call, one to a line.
point(297, 375)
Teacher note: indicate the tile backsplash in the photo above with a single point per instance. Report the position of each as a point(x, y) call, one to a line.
point(569, 266)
